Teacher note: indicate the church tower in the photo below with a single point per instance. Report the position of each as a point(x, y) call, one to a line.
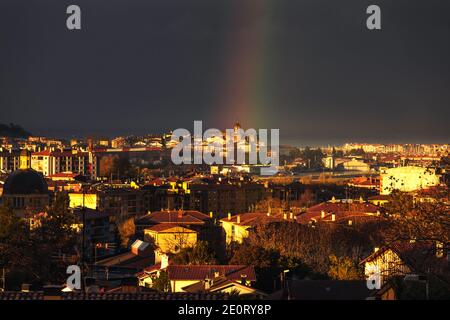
point(25, 159)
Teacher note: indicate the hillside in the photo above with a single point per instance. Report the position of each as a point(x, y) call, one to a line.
point(13, 130)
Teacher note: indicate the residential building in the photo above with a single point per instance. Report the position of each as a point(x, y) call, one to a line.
point(407, 179)
point(407, 257)
point(170, 238)
point(182, 277)
point(51, 162)
point(238, 227)
point(346, 211)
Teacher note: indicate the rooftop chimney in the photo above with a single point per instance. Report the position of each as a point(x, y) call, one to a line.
point(164, 261)
point(207, 283)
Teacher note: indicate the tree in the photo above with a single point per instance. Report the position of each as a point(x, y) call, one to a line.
point(418, 220)
point(53, 237)
point(313, 157)
point(126, 229)
point(199, 254)
point(268, 264)
point(162, 282)
point(251, 255)
point(32, 254)
point(115, 166)
point(344, 268)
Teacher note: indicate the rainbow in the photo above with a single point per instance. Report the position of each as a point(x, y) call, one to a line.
point(242, 94)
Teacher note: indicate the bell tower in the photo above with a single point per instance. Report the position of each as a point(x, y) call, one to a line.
point(25, 159)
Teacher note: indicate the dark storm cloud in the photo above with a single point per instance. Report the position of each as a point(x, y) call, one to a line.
point(149, 66)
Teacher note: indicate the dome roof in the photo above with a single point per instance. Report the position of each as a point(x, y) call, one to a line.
point(25, 181)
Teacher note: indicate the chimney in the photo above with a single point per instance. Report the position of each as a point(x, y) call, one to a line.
point(207, 283)
point(229, 215)
point(322, 214)
point(164, 261)
point(238, 219)
point(333, 217)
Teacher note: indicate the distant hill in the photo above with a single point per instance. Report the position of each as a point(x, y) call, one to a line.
point(13, 130)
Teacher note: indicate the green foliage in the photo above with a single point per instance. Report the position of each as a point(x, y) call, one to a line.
point(344, 268)
point(248, 254)
point(268, 264)
point(127, 230)
point(30, 251)
point(201, 253)
point(162, 283)
point(301, 248)
point(313, 157)
point(419, 220)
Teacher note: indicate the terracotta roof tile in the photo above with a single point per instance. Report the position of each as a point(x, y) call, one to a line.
point(200, 272)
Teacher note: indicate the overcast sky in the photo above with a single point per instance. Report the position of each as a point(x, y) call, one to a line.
point(308, 67)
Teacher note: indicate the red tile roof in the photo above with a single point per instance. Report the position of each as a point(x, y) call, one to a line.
point(147, 270)
point(174, 217)
point(200, 272)
point(59, 153)
point(342, 210)
point(419, 256)
point(166, 226)
point(253, 218)
point(42, 153)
